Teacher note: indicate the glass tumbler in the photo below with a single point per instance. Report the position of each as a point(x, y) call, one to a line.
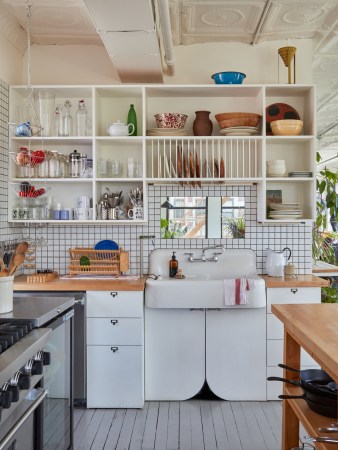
point(45, 109)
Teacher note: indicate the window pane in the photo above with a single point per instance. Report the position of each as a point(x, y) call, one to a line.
point(187, 222)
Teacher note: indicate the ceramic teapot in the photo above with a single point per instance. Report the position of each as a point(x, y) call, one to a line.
point(120, 129)
point(275, 262)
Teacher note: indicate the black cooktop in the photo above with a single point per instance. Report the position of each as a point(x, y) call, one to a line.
point(12, 330)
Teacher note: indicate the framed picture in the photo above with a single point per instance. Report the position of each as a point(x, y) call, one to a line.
point(272, 196)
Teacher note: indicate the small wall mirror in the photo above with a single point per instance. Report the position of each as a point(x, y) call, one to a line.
point(202, 217)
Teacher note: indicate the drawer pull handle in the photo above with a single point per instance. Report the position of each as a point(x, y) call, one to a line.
point(113, 294)
point(294, 291)
point(114, 349)
point(114, 321)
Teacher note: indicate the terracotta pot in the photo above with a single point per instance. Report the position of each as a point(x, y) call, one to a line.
point(202, 125)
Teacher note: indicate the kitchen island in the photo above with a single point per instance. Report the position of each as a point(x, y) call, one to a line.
point(314, 328)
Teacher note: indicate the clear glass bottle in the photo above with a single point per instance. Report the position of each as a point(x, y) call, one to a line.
point(61, 165)
point(67, 120)
point(58, 120)
point(81, 118)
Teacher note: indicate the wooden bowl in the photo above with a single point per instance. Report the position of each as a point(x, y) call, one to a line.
point(240, 122)
point(235, 115)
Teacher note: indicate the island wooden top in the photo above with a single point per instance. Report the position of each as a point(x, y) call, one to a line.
point(323, 267)
point(76, 284)
point(315, 328)
point(301, 281)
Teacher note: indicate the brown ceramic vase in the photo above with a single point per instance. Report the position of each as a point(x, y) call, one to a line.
point(202, 125)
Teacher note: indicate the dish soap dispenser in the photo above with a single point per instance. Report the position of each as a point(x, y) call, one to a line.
point(173, 266)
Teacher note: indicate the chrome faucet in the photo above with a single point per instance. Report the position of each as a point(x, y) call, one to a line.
point(203, 258)
point(142, 238)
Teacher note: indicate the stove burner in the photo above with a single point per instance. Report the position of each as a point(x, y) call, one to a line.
point(12, 330)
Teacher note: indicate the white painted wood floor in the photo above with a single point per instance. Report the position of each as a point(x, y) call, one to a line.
point(192, 424)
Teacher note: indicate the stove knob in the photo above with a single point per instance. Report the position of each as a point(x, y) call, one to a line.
point(46, 358)
point(37, 367)
point(5, 396)
point(15, 392)
point(24, 381)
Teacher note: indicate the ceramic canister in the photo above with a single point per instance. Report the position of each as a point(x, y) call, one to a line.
point(6, 294)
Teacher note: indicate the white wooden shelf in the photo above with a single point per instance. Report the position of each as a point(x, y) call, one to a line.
point(244, 157)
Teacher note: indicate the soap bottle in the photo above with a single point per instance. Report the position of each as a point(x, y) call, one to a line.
point(173, 266)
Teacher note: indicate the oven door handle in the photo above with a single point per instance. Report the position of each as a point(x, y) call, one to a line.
point(22, 419)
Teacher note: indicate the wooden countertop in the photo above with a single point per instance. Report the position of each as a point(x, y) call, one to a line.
point(322, 267)
point(314, 327)
point(20, 284)
point(301, 281)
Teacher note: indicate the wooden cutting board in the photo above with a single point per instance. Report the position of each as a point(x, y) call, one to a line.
point(42, 277)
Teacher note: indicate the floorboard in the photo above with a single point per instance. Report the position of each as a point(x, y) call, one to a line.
point(189, 425)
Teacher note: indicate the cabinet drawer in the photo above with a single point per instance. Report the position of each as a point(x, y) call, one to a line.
point(114, 304)
point(275, 354)
point(293, 295)
point(114, 331)
point(115, 377)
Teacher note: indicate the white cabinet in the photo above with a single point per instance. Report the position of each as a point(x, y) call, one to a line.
point(236, 353)
point(115, 355)
point(184, 348)
point(275, 332)
point(176, 159)
point(174, 353)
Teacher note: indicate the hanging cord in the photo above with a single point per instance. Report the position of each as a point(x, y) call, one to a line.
point(29, 28)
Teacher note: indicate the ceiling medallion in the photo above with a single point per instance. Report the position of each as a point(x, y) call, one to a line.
point(303, 15)
point(221, 17)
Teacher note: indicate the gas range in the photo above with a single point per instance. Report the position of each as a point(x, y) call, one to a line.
point(22, 360)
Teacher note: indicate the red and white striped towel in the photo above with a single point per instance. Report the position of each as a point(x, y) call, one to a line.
point(235, 290)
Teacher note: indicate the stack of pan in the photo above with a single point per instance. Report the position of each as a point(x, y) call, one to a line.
point(320, 390)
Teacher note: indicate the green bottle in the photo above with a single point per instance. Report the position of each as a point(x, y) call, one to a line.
point(132, 119)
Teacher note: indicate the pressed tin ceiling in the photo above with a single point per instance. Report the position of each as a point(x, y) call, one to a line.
point(106, 22)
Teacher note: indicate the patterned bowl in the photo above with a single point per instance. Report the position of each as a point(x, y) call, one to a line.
point(171, 120)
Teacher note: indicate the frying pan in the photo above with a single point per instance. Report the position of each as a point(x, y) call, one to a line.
point(323, 408)
point(316, 381)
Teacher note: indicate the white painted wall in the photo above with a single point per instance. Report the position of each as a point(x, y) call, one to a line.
point(195, 63)
point(71, 64)
point(11, 65)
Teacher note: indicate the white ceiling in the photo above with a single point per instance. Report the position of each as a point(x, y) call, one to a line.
point(127, 27)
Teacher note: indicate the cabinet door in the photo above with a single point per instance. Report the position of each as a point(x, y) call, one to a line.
point(174, 353)
point(114, 376)
point(114, 304)
point(111, 331)
point(236, 353)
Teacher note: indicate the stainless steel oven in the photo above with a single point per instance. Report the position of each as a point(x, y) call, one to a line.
point(55, 416)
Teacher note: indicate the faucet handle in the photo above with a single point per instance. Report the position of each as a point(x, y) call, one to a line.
point(189, 254)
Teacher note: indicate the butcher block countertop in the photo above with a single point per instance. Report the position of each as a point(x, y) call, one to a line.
point(314, 328)
point(301, 281)
point(59, 284)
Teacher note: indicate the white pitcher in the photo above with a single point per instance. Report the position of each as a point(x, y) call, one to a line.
point(275, 262)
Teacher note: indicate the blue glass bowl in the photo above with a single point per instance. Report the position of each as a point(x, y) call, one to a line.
point(228, 77)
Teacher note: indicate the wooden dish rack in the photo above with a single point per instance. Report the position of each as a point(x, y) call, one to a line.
point(98, 262)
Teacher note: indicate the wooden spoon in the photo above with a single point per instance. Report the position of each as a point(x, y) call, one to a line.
point(17, 260)
point(21, 248)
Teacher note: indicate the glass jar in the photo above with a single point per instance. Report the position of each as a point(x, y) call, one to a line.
point(43, 169)
point(61, 165)
point(54, 165)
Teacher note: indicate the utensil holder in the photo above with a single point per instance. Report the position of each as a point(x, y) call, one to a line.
point(6, 294)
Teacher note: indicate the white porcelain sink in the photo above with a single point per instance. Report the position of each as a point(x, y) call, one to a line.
point(203, 285)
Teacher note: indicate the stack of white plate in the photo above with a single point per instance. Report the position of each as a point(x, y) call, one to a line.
point(300, 173)
point(239, 131)
point(285, 211)
point(167, 132)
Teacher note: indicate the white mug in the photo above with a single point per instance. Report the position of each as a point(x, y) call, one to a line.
point(82, 213)
point(83, 202)
point(136, 213)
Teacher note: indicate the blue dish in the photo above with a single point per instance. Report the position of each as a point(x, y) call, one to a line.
point(228, 77)
point(106, 245)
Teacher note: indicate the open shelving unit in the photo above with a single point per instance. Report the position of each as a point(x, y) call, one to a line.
point(200, 160)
